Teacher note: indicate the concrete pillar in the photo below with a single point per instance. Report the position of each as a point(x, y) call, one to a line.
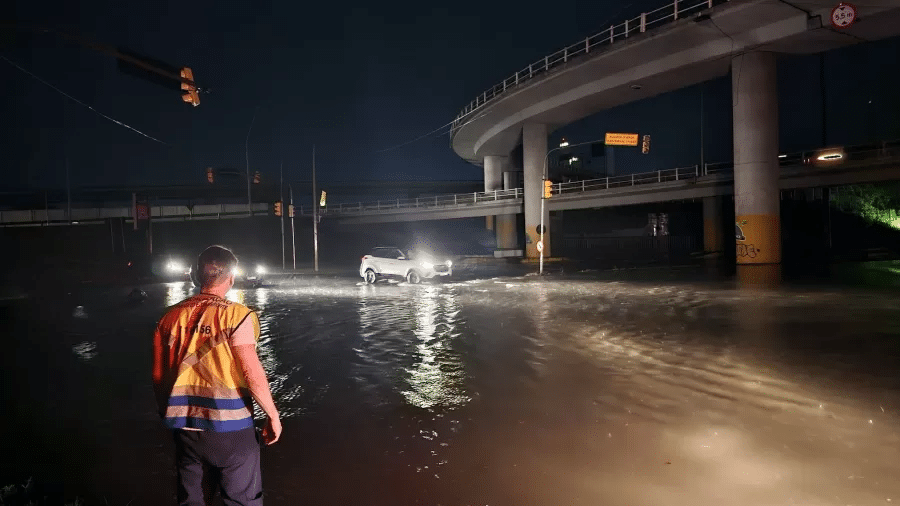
point(534, 150)
point(713, 240)
point(756, 195)
point(493, 180)
point(505, 224)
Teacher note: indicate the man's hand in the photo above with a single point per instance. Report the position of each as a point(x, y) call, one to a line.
point(272, 431)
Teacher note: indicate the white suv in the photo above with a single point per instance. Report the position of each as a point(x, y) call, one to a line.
point(384, 262)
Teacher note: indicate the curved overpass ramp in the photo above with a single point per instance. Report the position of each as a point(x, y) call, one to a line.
point(697, 47)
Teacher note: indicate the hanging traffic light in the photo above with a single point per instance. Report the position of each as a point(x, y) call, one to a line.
point(291, 210)
point(190, 94)
point(210, 175)
point(645, 145)
point(322, 200)
point(278, 210)
point(548, 188)
point(256, 177)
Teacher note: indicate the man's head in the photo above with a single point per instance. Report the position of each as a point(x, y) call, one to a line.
point(215, 267)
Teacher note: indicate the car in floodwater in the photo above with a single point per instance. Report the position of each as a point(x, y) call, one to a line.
point(391, 262)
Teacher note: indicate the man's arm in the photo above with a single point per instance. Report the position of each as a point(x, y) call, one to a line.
point(250, 366)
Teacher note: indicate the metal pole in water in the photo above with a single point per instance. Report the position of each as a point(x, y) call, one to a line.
point(293, 238)
point(315, 209)
point(281, 199)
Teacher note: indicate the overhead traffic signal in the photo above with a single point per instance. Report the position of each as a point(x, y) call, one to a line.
point(645, 145)
point(210, 175)
point(548, 188)
point(291, 210)
point(322, 200)
point(256, 177)
point(278, 210)
point(190, 94)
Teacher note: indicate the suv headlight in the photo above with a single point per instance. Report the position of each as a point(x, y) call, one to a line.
point(428, 265)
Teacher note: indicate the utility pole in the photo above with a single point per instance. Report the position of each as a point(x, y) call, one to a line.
point(315, 215)
point(293, 238)
point(281, 198)
point(247, 158)
point(702, 132)
point(68, 194)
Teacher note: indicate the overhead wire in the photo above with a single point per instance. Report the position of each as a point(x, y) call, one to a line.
point(70, 97)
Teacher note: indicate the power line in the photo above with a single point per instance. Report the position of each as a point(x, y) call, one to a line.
point(70, 97)
point(436, 130)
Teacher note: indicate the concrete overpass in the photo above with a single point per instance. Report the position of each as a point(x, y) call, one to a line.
point(679, 44)
point(800, 170)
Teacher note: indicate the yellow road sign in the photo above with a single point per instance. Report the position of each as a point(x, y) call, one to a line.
point(616, 139)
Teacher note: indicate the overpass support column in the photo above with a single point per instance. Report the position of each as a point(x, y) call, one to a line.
point(713, 240)
point(493, 180)
point(757, 204)
point(534, 151)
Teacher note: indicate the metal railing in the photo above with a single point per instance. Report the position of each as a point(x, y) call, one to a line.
point(886, 150)
point(458, 200)
point(630, 27)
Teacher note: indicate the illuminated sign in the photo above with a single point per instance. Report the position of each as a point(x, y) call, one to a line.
point(616, 139)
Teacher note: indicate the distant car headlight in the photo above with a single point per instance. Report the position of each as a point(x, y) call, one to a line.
point(174, 266)
point(428, 265)
point(260, 269)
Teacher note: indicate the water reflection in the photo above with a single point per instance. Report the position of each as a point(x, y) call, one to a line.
point(86, 350)
point(438, 376)
point(176, 292)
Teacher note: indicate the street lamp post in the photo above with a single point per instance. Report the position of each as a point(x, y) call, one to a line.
point(562, 144)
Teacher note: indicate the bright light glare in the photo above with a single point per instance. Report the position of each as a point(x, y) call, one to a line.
point(260, 269)
point(782, 156)
point(427, 265)
point(449, 263)
point(174, 266)
point(563, 142)
point(238, 271)
point(830, 156)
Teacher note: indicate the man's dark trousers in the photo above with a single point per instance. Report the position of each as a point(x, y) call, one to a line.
point(229, 460)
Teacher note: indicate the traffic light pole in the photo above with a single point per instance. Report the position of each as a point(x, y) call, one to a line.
point(281, 198)
point(116, 54)
point(293, 238)
point(315, 214)
point(544, 198)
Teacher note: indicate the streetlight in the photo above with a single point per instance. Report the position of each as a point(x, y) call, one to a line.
point(562, 144)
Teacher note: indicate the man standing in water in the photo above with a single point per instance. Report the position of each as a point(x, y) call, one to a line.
point(205, 370)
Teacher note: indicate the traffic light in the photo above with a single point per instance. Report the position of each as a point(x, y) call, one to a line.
point(256, 177)
point(645, 145)
point(291, 210)
point(209, 175)
point(548, 188)
point(322, 200)
point(190, 96)
point(278, 210)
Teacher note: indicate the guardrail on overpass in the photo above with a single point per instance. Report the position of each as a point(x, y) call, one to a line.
point(51, 217)
point(805, 163)
point(656, 18)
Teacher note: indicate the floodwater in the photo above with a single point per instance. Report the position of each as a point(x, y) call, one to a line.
point(504, 391)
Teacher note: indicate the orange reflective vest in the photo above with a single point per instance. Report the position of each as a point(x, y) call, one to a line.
point(208, 390)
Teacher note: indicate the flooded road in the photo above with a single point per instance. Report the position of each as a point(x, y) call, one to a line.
point(507, 391)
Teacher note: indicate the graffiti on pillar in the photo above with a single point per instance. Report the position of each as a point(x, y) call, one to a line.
point(738, 233)
point(746, 250)
point(743, 249)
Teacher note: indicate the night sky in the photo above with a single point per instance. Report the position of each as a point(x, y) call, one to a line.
point(360, 81)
